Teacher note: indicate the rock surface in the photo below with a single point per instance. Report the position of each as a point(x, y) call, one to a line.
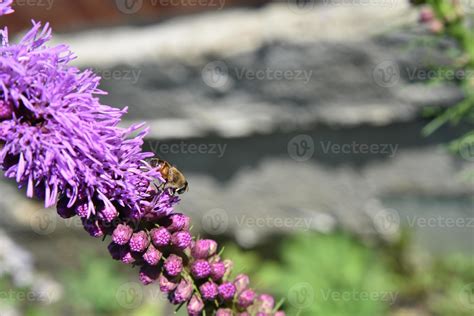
point(267, 112)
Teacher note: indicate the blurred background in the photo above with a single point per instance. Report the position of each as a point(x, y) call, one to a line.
point(299, 126)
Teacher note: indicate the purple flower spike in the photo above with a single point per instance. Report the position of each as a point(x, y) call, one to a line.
point(122, 234)
point(181, 239)
point(152, 256)
point(148, 274)
point(218, 270)
point(227, 291)
point(195, 306)
point(224, 312)
point(166, 285)
point(160, 237)
point(204, 248)
point(178, 222)
point(182, 293)
point(208, 291)
point(173, 265)
point(201, 269)
point(139, 241)
point(246, 298)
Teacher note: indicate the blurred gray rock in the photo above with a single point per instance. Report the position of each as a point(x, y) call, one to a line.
point(258, 83)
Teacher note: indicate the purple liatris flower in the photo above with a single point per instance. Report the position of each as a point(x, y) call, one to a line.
point(58, 136)
point(181, 239)
point(6, 7)
point(204, 248)
point(266, 303)
point(122, 234)
point(183, 292)
point(241, 282)
point(201, 269)
point(178, 222)
point(224, 312)
point(173, 265)
point(152, 256)
point(208, 291)
point(166, 284)
point(218, 270)
point(148, 274)
point(139, 241)
point(160, 237)
point(227, 291)
point(195, 305)
point(246, 298)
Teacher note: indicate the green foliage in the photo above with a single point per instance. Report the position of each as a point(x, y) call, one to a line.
point(92, 287)
point(329, 275)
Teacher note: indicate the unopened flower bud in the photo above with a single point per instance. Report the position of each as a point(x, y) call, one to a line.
point(246, 298)
point(122, 234)
point(181, 239)
point(195, 306)
point(160, 237)
point(218, 270)
point(148, 274)
point(201, 269)
point(224, 312)
point(226, 291)
point(241, 283)
point(166, 284)
point(139, 241)
point(178, 222)
point(152, 256)
point(173, 265)
point(208, 291)
point(204, 248)
point(182, 293)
